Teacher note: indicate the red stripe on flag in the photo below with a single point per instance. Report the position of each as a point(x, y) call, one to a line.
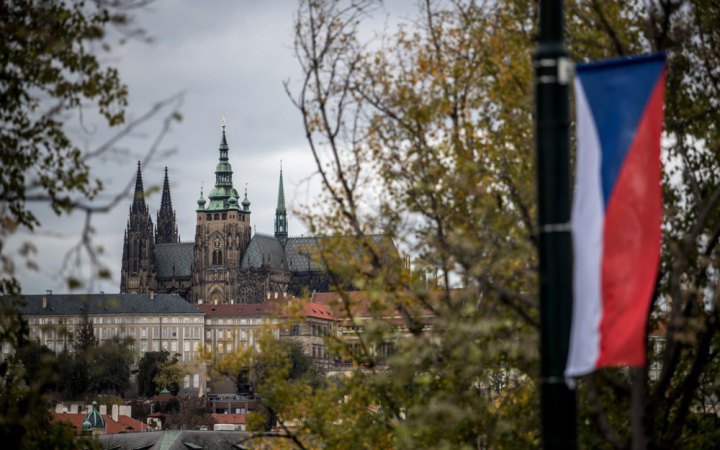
point(632, 237)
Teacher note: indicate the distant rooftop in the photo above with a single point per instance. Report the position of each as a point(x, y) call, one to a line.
point(76, 304)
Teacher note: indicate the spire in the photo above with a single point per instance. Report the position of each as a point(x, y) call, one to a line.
point(201, 200)
point(139, 197)
point(281, 229)
point(220, 194)
point(281, 193)
point(166, 202)
point(246, 202)
point(166, 231)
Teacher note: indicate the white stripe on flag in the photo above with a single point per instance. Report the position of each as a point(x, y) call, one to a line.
point(587, 226)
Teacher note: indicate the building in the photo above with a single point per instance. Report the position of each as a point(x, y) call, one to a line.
point(154, 322)
point(94, 421)
point(158, 322)
point(225, 263)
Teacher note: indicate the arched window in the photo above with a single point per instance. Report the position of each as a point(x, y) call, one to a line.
point(214, 258)
point(219, 257)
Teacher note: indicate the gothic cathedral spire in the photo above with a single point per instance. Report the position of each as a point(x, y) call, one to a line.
point(138, 262)
point(166, 232)
point(281, 228)
point(138, 204)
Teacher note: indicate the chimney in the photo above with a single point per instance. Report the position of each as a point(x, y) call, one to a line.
point(45, 298)
point(125, 410)
point(115, 412)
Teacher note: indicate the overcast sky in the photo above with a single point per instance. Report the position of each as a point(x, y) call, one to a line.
point(230, 59)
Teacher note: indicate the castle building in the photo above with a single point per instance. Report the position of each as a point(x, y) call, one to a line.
point(226, 263)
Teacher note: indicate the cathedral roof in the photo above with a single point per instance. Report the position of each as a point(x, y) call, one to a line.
point(298, 253)
point(76, 304)
point(263, 251)
point(177, 255)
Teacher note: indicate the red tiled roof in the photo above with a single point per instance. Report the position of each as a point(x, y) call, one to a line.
point(266, 308)
point(234, 419)
point(361, 306)
point(124, 424)
point(254, 309)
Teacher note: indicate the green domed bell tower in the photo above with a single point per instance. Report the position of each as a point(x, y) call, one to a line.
point(222, 235)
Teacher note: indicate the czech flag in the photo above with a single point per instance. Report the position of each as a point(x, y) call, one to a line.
point(617, 210)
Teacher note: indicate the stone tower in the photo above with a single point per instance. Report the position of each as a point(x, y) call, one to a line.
point(138, 269)
point(222, 235)
point(166, 232)
point(281, 225)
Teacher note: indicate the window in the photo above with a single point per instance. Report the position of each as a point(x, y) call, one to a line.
point(156, 332)
point(143, 332)
point(217, 216)
point(156, 346)
point(224, 216)
point(196, 333)
point(208, 334)
point(208, 216)
point(173, 346)
point(186, 346)
point(217, 258)
point(186, 382)
point(165, 331)
point(196, 380)
point(143, 346)
point(295, 330)
point(174, 332)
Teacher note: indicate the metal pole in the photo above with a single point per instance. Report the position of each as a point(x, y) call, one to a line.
point(557, 401)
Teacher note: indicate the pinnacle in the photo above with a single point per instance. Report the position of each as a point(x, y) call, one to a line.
point(281, 193)
point(139, 197)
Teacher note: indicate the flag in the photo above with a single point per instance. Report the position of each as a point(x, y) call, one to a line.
point(617, 210)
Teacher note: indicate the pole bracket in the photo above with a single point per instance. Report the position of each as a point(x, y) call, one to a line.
point(555, 227)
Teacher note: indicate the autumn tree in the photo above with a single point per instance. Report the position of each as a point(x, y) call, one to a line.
point(54, 70)
point(425, 135)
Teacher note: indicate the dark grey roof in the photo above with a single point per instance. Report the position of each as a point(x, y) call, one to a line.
point(177, 255)
point(175, 440)
point(264, 251)
point(301, 254)
point(76, 304)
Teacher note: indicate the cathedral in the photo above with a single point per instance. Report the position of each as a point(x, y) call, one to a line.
point(226, 263)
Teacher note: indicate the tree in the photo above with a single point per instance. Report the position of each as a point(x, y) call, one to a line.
point(25, 381)
point(53, 70)
point(191, 415)
point(148, 369)
point(426, 136)
point(110, 366)
point(169, 375)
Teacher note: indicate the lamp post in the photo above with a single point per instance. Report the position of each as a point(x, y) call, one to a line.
point(552, 69)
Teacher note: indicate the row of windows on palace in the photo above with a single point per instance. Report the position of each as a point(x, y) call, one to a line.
point(58, 333)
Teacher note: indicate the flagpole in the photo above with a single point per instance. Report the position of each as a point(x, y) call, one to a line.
point(552, 69)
